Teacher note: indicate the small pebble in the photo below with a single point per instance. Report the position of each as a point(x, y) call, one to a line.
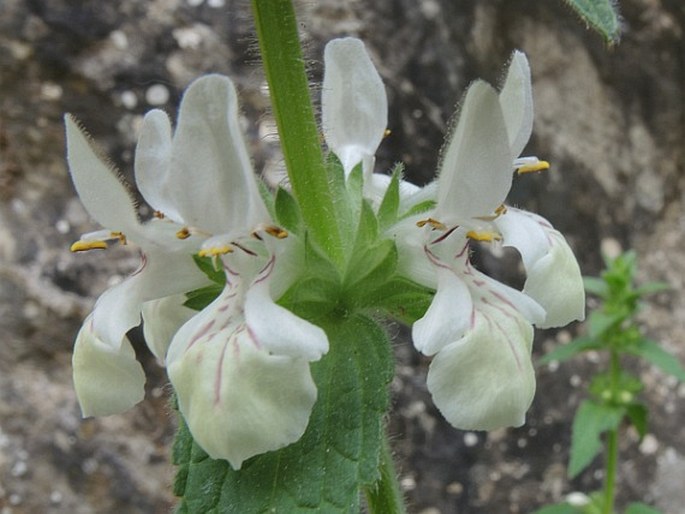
point(129, 99)
point(470, 439)
point(157, 95)
point(649, 445)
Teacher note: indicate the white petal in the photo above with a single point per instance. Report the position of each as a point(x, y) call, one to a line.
point(211, 178)
point(161, 320)
point(353, 103)
point(486, 379)
point(555, 282)
point(238, 399)
point(475, 173)
point(448, 317)
point(412, 261)
point(103, 194)
point(487, 290)
point(516, 99)
point(278, 330)
point(523, 231)
point(554, 279)
point(107, 379)
point(161, 274)
point(153, 162)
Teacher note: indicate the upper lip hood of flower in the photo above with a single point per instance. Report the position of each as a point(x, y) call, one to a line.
point(354, 106)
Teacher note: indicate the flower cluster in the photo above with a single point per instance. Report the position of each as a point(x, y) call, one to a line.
point(479, 330)
point(240, 366)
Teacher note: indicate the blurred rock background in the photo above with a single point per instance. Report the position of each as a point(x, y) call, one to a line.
point(611, 121)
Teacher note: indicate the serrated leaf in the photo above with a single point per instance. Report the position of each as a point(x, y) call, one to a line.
point(591, 420)
point(641, 508)
point(338, 453)
point(638, 414)
point(596, 286)
point(287, 211)
point(656, 355)
point(559, 508)
point(566, 351)
point(601, 15)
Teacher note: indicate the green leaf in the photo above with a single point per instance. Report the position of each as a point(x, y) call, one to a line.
point(566, 351)
point(287, 212)
point(638, 414)
point(208, 266)
point(591, 420)
point(596, 286)
point(641, 508)
point(401, 299)
point(371, 270)
point(652, 288)
point(201, 298)
point(420, 207)
point(388, 210)
point(599, 322)
point(652, 352)
point(339, 452)
point(559, 508)
point(601, 15)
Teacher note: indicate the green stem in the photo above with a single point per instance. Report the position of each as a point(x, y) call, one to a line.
point(385, 496)
point(612, 442)
point(611, 465)
point(289, 88)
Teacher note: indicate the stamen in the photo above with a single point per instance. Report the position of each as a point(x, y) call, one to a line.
point(502, 209)
point(84, 246)
point(214, 251)
point(272, 230)
point(387, 133)
point(433, 223)
point(159, 215)
point(484, 236)
point(184, 233)
point(120, 236)
point(533, 167)
point(276, 232)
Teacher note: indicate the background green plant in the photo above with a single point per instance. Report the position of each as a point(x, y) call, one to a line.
point(613, 401)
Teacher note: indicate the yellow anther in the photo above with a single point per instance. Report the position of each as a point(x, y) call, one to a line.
point(533, 167)
point(215, 251)
point(120, 236)
point(84, 246)
point(502, 209)
point(184, 233)
point(433, 223)
point(387, 132)
point(484, 236)
point(276, 232)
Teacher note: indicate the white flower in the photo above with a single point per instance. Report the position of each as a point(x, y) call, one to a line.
point(480, 330)
point(240, 367)
point(166, 268)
